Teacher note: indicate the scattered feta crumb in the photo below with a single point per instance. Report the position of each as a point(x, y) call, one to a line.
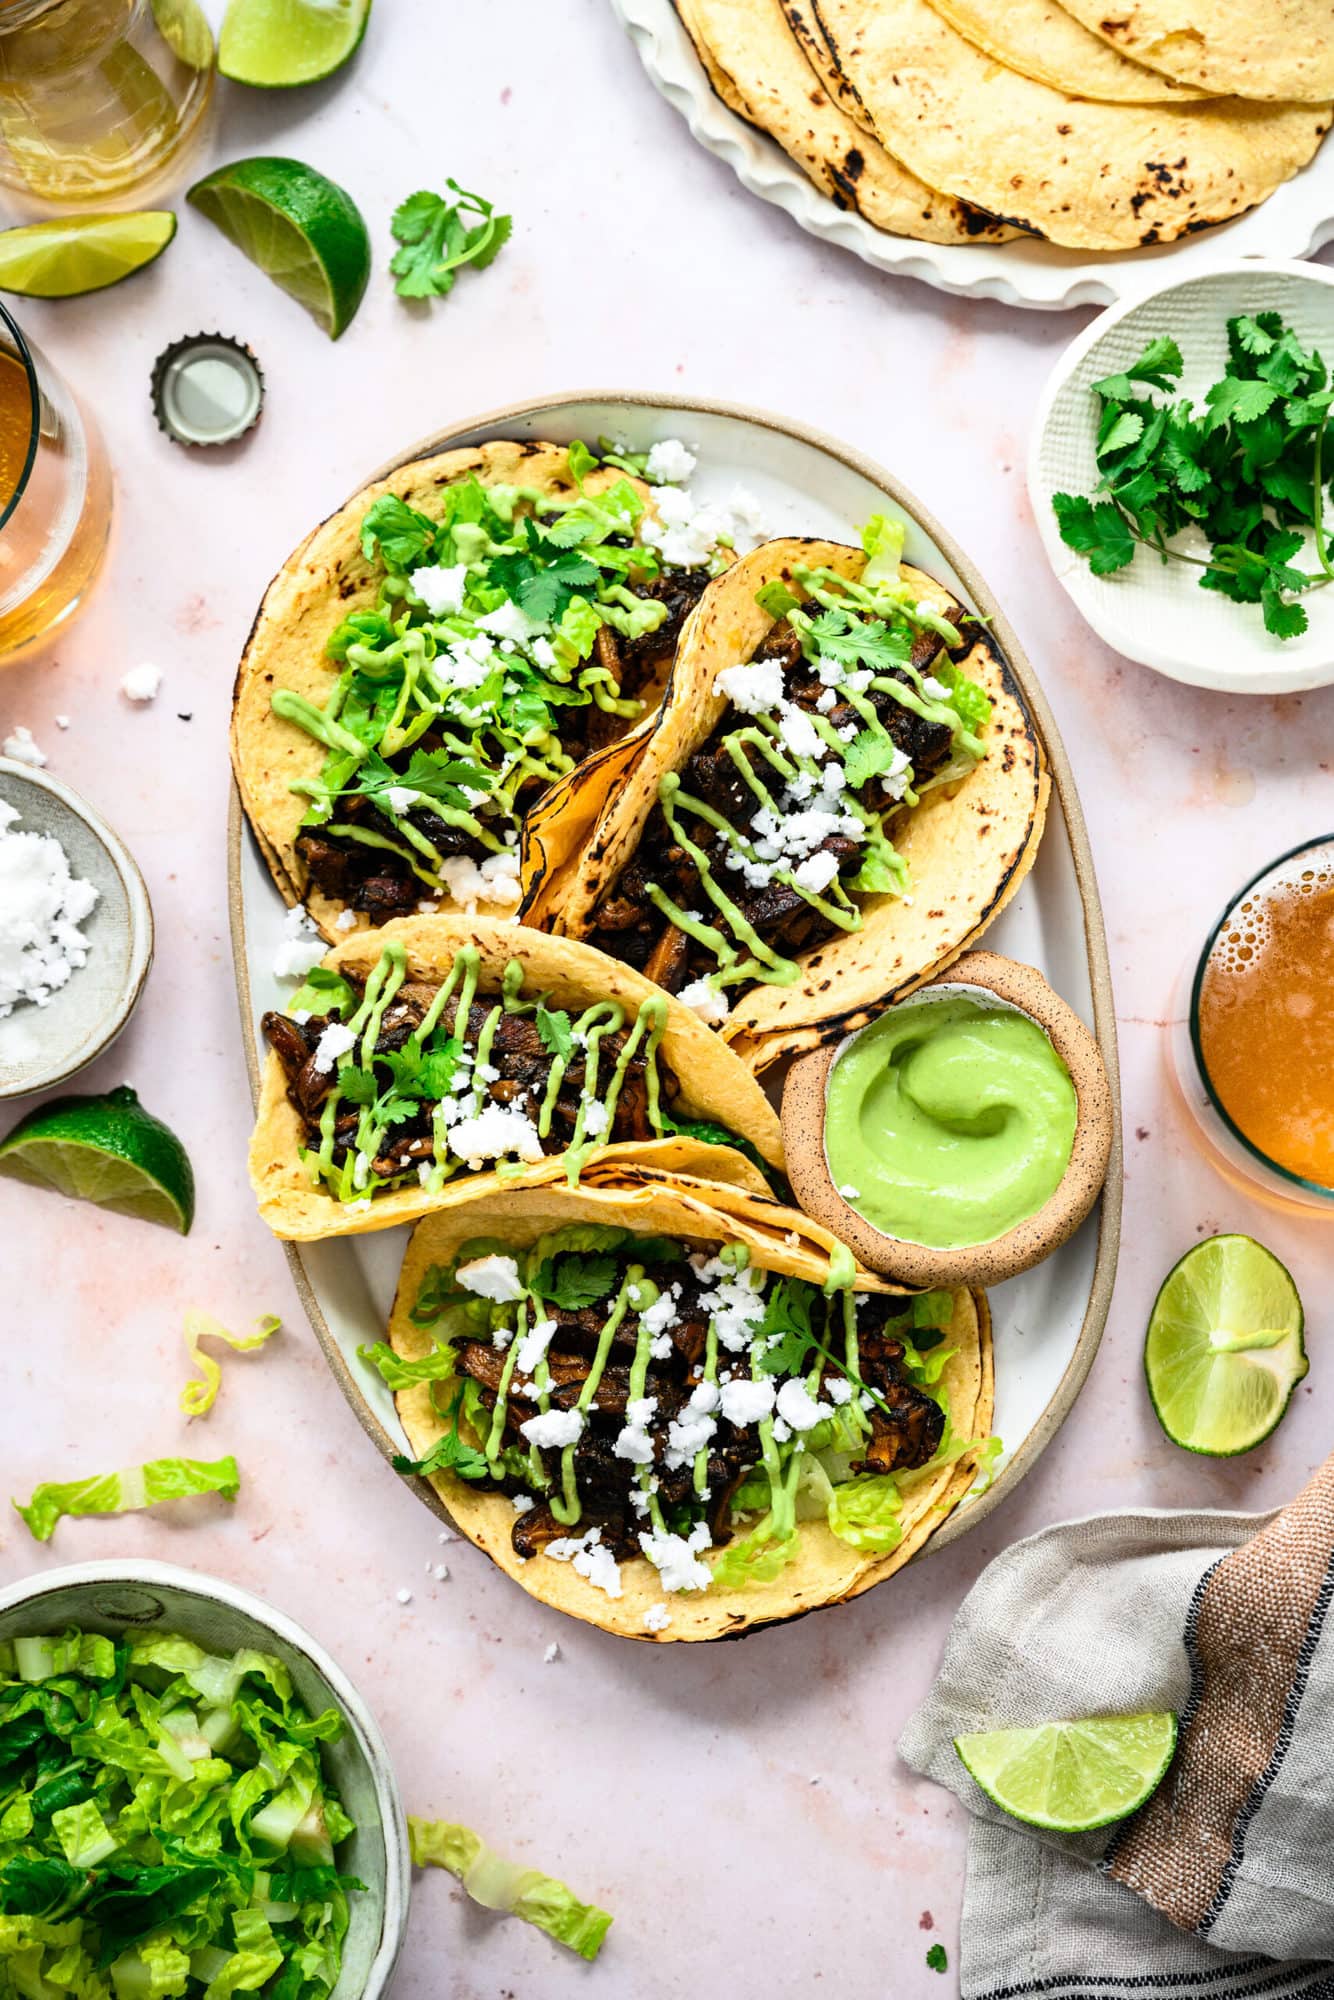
point(816, 872)
point(493, 1133)
point(508, 622)
point(838, 1389)
point(849, 1192)
point(141, 683)
point(553, 1430)
point(705, 1000)
point(744, 1402)
point(446, 1535)
point(590, 1557)
point(936, 689)
point(62, 722)
point(798, 1408)
point(552, 1654)
point(534, 1345)
point(335, 1041)
point(670, 463)
point(401, 799)
point(440, 1572)
point(42, 904)
point(753, 687)
point(19, 745)
point(440, 588)
point(404, 1596)
point(346, 920)
point(657, 1618)
point(523, 1503)
point(301, 946)
point(492, 1277)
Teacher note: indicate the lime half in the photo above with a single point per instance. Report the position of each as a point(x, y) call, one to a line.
point(107, 1150)
point(275, 43)
point(299, 227)
point(1224, 1349)
point(81, 253)
point(1070, 1776)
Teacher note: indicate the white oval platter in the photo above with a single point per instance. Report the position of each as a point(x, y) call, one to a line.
point(1296, 220)
point(1048, 1322)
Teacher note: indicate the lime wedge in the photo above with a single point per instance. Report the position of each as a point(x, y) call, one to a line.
point(275, 43)
point(186, 31)
point(107, 1150)
point(300, 228)
point(1070, 1776)
point(81, 253)
point(1224, 1349)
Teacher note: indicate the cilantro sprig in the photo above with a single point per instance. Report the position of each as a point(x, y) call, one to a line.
point(1247, 470)
point(438, 234)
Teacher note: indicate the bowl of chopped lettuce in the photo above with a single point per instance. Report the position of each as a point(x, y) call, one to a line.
point(194, 1799)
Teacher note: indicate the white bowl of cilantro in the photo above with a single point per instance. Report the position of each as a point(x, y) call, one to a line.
point(1180, 477)
point(194, 1800)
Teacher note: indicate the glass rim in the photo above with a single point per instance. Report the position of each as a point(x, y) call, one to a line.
point(30, 370)
point(1196, 988)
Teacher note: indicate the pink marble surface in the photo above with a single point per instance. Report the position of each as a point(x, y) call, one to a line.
point(739, 1808)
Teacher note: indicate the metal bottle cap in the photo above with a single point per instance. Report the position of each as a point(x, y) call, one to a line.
point(207, 389)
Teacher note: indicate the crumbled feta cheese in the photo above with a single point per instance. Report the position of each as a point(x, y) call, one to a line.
point(552, 1430)
point(404, 1596)
point(440, 587)
point(335, 1041)
point(744, 1402)
point(935, 689)
point(346, 920)
point(361, 1171)
point(492, 1277)
point(827, 700)
point(590, 1557)
point(634, 1442)
point(849, 1192)
point(495, 881)
point(753, 687)
point(838, 1389)
point(20, 746)
point(676, 1558)
point(523, 1503)
point(446, 1535)
point(833, 778)
point(544, 653)
point(360, 1207)
point(508, 622)
point(800, 734)
point(735, 1305)
point(552, 1654)
point(690, 1431)
point(657, 1618)
point(141, 683)
point(816, 872)
point(595, 1119)
point(62, 722)
point(42, 904)
point(301, 946)
point(670, 463)
point(440, 1571)
point(798, 1408)
point(533, 1346)
point(500, 877)
point(493, 1134)
point(401, 798)
point(705, 1000)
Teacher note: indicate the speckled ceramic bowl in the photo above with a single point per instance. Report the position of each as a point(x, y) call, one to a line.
point(115, 1597)
point(1023, 988)
point(42, 1046)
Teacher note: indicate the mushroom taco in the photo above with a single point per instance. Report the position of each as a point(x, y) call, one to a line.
point(842, 787)
point(438, 653)
point(675, 1421)
point(442, 1058)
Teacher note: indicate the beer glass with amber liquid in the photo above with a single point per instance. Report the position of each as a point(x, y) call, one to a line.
point(55, 498)
point(99, 96)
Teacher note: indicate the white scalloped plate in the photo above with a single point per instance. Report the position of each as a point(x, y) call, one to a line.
point(1296, 220)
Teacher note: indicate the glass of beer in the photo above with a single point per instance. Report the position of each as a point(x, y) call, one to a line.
point(99, 96)
point(55, 498)
point(1254, 1049)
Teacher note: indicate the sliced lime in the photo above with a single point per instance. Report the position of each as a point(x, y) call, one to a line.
point(107, 1150)
point(275, 43)
point(1069, 1776)
point(299, 227)
point(1224, 1349)
point(81, 253)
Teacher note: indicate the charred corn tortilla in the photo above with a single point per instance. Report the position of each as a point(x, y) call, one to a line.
point(1092, 176)
point(967, 846)
point(758, 70)
point(326, 580)
point(1040, 39)
point(1270, 49)
point(714, 1084)
point(825, 1570)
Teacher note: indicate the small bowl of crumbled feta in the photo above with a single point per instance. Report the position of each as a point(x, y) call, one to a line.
point(76, 932)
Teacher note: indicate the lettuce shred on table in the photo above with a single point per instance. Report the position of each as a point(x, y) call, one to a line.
point(165, 1826)
point(498, 1884)
point(199, 1395)
point(127, 1492)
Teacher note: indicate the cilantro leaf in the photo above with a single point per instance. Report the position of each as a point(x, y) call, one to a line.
point(555, 1031)
point(438, 234)
point(450, 1453)
point(937, 1959)
point(573, 1281)
point(1157, 368)
point(870, 752)
point(786, 1326)
point(1098, 532)
point(1284, 620)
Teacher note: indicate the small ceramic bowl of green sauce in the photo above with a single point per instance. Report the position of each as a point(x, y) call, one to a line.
point(961, 1136)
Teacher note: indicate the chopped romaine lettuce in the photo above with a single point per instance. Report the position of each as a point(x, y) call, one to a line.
point(503, 1885)
point(198, 1396)
point(128, 1491)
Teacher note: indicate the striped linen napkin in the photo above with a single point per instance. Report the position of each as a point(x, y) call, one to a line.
point(1222, 1886)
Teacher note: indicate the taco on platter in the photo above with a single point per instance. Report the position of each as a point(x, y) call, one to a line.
point(431, 659)
point(674, 1421)
point(442, 1058)
point(842, 788)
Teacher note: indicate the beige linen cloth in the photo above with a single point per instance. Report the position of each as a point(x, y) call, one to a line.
point(1222, 1886)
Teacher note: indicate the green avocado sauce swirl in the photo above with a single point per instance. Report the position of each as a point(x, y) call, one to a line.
point(949, 1121)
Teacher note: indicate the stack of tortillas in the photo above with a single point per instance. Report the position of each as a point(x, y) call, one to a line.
point(955, 121)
